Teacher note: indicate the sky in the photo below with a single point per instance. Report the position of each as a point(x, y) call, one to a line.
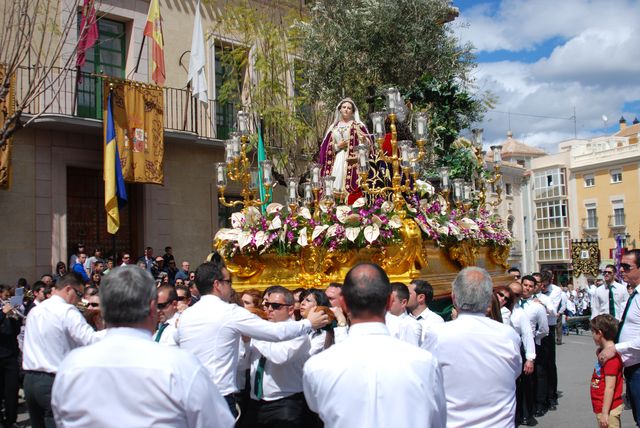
point(543, 58)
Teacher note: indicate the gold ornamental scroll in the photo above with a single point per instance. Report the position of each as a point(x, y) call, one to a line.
point(7, 107)
point(585, 257)
point(138, 116)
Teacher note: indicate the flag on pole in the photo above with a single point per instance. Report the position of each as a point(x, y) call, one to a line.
point(88, 34)
point(153, 30)
point(115, 193)
point(262, 155)
point(197, 61)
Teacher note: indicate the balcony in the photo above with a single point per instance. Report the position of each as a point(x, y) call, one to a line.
point(617, 221)
point(67, 102)
point(590, 224)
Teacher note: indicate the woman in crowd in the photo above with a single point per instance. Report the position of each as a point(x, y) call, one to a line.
point(309, 299)
point(503, 294)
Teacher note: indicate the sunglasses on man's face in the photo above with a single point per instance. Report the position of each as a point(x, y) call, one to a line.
point(608, 272)
point(625, 267)
point(274, 306)
point(162, 306)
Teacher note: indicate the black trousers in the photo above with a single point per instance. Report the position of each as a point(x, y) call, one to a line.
point(525, 392)
point(9, 379)
point(541, 377)
point(37, 394)
point(288, 412)
point(552, 369)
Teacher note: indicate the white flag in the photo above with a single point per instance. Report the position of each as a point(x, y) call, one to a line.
point(197, 61)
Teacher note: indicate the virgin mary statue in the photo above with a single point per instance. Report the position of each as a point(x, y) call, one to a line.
point(338, 149)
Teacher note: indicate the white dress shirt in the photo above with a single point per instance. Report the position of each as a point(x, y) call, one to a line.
point(128, 380)
point(318, 340)
point(522, 325)
point(283, 368)
point(168, 336)
point(600, 302)
point(537, 316)
point(53, 329)
point(552, 299)
point(211, 330)
point(506, 315)
point(480, 361)
point(427, 320)
point(406, 329)
point(374, 380)
point(628, 345)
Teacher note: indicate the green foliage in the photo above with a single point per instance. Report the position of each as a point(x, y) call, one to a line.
point(273, 90)
point(353, 45)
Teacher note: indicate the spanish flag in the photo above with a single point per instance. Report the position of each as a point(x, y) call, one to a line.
point(153, 30)
point(115, 193)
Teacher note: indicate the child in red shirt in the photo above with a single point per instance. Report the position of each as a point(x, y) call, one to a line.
point(606, 381)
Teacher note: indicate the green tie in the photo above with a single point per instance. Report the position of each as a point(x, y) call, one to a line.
point(522, 303)
point(612, 302)
point(160, 330)
point(257, 384)
point(624, 314)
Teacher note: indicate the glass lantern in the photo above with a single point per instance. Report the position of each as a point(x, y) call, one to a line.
point(378, 124)
point(221, 170)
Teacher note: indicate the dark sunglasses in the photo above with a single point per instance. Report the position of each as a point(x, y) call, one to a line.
point(608, 272)
point(79, 294)
point(161, 306)
point(274, 306)
point(93, 305)
point(500, 293)
point(625, 267)
point(516, 276)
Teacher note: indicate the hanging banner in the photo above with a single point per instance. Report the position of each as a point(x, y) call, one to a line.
point(139, 126)
point(585, 257)
point(6, 109)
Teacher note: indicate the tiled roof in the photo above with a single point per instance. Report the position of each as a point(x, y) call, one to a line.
point(512, 147)
point(628, 131)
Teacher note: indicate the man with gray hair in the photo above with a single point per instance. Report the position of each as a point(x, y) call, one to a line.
point(141, 383)
point(480, 358)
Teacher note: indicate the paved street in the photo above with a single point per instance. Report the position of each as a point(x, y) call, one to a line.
point(576, 357)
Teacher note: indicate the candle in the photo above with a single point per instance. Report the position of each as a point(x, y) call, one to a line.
point(420, 127)
point(315, 175)
point(221, 174)
point(378, 127)
point(292, 191)
point(308, 195)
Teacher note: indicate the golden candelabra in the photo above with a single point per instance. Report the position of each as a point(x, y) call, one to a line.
point(237, 167)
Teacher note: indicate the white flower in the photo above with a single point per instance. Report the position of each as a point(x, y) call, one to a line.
point(274, 207)
point(253, 216)
point(424, 188)
point(353, 218)
point(227, 235)
point(302, 238)
point(261, 237)
point(304, 212)
point(237, 220)
point(352, 233)
point(276, 223)
point(318, 230)
point(342, 212)
point(376, 220)
point(244, 239)
point(395, 222)
point(359, 202)
point(371, 233)
point(331, 231)
point(386, 207)
point(467, 223)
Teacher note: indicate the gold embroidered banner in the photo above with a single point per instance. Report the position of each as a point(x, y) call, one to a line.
point(6, 109)
point(585, 257)
point(138, 116)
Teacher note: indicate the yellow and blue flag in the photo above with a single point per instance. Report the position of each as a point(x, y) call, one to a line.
point(115, 193)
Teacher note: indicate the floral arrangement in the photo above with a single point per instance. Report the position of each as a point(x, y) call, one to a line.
point(357, 226)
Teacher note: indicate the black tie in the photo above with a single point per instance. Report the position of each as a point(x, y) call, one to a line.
point(624, 314)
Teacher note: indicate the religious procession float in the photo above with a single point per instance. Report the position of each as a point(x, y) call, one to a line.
point(368, 198)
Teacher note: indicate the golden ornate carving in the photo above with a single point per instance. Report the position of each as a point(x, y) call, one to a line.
point(464, 252)
point(499, 254)
point(406, 257)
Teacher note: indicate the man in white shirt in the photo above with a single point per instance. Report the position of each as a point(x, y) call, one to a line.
point(276, 370)
point(628, 343)
point(128, 380)
point(167, 316)
point(609, 292)
point(420, 295)
point(372, 379)
point(537, 323)
point(211, 328)
point(400, 324)
point(54, 327)
point(479, 357)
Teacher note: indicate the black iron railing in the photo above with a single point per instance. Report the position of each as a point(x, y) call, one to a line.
point(68, 96)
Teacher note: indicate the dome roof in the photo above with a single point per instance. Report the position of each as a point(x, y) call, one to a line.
point(512, 148)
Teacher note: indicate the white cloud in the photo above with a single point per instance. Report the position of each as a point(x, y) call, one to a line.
point(594, 68)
